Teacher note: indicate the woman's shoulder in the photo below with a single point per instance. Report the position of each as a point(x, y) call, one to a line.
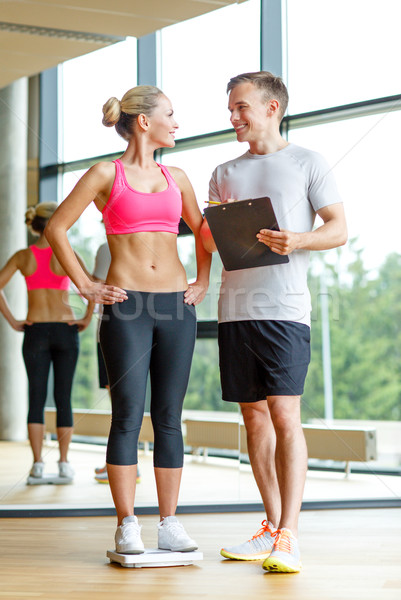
point(99, 178)
point(177, 174)
point(182, 181)
point(24, 254)
point(173, 170)
point(21, 258)
point(104, 168)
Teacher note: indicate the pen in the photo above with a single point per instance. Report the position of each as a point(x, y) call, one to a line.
point(212, 202)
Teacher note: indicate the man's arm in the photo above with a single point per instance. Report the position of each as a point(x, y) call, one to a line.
point(331, 234)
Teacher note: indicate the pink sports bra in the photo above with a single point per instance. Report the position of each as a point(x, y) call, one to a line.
point(43, 277)
point(130, 211)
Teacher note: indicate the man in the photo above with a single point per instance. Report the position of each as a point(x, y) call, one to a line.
point(264, 312)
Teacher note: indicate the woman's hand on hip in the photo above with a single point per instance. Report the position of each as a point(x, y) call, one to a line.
point(20, 325)
point(102, 293)
point(82, 324)
point(195, 293)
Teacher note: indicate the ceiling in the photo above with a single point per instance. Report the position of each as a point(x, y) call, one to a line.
point(37, 34)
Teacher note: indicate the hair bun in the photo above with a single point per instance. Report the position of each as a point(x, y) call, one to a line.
point(111, 112)
point(45, 209)
point(37, 216)
point(30, 215)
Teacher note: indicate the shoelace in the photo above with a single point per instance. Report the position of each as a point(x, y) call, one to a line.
point(174, 525)
point(131, 525)
point(128, 529)
point(265, 527)
point(282, 542)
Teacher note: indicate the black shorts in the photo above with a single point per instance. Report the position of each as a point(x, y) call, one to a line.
point(101, 368)
point(263, 358)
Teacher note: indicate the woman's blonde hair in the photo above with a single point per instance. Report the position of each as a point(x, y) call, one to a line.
point(123, 113)
point(36, 217)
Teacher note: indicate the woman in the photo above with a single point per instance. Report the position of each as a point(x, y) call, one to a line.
point(51, 336)
point(149, 319)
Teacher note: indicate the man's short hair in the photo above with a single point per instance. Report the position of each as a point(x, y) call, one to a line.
point(272, 87)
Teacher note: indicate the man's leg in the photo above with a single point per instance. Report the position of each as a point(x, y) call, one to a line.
point(261, 439)
point(291, 457)
point(291, 465)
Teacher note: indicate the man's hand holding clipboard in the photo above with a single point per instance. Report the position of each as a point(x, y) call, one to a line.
point(282, 242)
point(240, 231)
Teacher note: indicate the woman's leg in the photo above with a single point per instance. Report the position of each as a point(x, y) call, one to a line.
point(36, 432)
point(174, 341)
point(126, 339)
point(168, 488)
point(64, 353)
point(64, 435)
point(122, 481)
point(36, 355)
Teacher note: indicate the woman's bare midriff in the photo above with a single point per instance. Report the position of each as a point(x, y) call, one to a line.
point(49, 306)
point(146, 262)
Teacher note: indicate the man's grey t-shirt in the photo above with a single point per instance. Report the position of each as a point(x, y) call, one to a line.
point(299, 183)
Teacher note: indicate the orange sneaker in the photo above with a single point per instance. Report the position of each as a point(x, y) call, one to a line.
point(285, 556)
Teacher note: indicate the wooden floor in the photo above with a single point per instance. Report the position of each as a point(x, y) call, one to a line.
point(349, 554)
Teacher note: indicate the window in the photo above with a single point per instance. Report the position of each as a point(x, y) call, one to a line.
point(87, 83)
point(198, 58)
point(363, 280)
point(363, 154)
point(341, 52)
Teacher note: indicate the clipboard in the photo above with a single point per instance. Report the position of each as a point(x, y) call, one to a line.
point(234, 226)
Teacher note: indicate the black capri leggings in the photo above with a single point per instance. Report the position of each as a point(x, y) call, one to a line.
point(46, 343)
point(148, 333)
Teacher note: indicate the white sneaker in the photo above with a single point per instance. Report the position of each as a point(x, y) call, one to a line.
point(37, 469)
point(128, 537)
point(172, 536)
point(65, 470)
